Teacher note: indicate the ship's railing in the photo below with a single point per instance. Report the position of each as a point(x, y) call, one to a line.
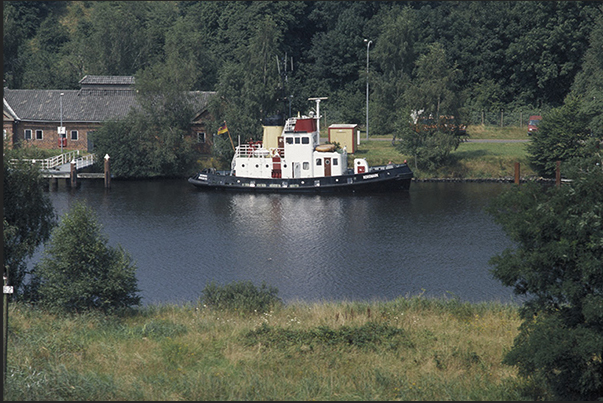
point(256, 150)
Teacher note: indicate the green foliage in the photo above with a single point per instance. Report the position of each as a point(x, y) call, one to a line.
point(153, 141)
point(369, 336)
point(444, 57)
point(560, 137)
point(28, 218)
point(589, 81)
point(243, 297)
point(80, 271)
point(557, 264)
point(431, 147)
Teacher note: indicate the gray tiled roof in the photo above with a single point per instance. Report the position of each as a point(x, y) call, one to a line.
point(80, 105)
point(111, 80)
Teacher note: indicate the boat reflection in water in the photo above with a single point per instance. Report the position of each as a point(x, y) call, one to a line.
point(434, 239)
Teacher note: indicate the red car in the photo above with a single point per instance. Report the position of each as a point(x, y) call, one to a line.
point(533, 123)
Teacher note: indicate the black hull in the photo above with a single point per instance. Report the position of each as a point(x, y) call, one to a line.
point(392, 178)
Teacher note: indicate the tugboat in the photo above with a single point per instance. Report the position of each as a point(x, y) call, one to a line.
point(298, 163)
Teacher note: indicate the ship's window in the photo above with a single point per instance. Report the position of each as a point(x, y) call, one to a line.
point(297, 140)
point(306, 165)
point(305, 140)
point(335, 161)
point(318, 161)
point(257, 166)
point(289, 140)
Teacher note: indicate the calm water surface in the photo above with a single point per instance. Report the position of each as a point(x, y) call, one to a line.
point(435, 240)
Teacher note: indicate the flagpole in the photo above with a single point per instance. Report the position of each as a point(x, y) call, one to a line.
point(231, 143)
point(223, 128)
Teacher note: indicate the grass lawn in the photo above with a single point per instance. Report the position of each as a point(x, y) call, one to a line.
point(407, 349)
point(472, 160)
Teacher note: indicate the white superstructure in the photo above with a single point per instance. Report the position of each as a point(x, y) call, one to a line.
point(299, 155)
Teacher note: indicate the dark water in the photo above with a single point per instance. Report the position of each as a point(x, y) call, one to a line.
point(435, 240)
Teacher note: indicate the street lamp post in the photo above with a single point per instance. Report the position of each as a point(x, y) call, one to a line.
point(61, 128)
point(368, 44)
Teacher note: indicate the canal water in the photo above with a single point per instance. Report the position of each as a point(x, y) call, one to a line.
point(435, 240)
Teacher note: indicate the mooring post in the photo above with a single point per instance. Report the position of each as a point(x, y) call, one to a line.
point(107, 172)
point(6, 290)
point(558, 174)
point(73, 175)
point(517, 173)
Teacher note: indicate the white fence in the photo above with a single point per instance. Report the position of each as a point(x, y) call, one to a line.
point(56, 161)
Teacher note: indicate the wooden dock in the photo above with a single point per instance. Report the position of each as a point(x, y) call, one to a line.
point(67, 175)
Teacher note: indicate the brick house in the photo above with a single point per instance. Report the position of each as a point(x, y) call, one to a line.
point(32, 117)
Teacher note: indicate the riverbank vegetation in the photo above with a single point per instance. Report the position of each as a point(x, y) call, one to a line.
point(411, 348)
point(477, 63)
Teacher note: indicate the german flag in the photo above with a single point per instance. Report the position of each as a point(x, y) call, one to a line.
point(222, 129)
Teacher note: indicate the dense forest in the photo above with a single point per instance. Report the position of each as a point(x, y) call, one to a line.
point(265, 57)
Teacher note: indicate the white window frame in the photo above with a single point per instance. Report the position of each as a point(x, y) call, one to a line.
point(41, 134)
point(77, 135)
point(201, 136)
point(25, 133)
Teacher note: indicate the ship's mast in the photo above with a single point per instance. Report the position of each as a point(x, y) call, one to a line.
point(318, 99)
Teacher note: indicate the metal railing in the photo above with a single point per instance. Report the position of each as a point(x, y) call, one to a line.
point(58, 160)
point(85, 161)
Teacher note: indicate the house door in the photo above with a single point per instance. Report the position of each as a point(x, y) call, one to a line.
point(327, 166)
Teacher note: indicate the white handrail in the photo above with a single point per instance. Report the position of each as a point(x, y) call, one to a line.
point(53, 162)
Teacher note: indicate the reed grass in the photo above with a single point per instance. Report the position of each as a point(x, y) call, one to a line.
point(407, 349)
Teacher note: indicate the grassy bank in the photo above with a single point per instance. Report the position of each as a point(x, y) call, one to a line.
point(407, 349)
point(470, 161)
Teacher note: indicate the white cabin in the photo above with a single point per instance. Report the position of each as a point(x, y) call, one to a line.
point(299, 155)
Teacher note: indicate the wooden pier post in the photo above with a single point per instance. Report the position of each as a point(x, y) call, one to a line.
point(517, 173)
point(558, 174)
point(107, 172)
point(73, 175)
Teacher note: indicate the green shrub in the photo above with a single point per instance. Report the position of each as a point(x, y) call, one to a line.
point(240, 296)
point(369, 336)
point(80, 272)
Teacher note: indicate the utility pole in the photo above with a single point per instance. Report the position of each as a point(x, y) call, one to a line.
point(61, 128)
point(368, 44)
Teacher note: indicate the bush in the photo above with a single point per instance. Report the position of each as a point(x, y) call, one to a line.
point(241, 296)
point(79, 271)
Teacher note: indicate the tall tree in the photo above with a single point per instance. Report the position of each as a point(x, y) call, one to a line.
point(557, 264)
point(431, 95)
point(589, 81)
point(28, 218)
point(560, 137)
point(394, 56)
